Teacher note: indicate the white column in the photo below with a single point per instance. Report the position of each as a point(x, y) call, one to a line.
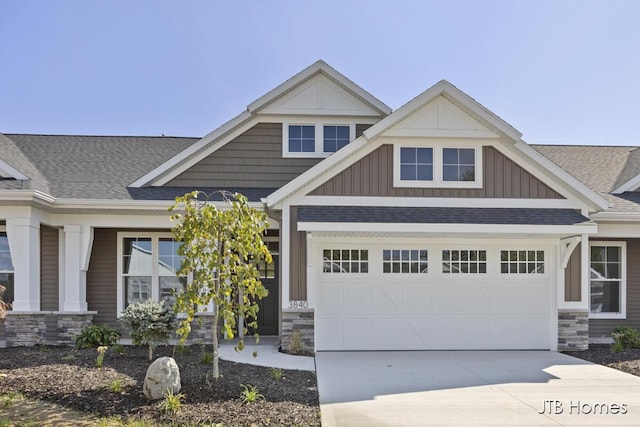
point(24, 243)
point(75, 280)
point(586, 272)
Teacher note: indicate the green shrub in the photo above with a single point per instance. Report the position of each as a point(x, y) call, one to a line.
point(277, 373)
point(119, 349)
point(295, 343)
point(250, 394)
point(100, 359)
point(206, 358)
point(96, 336)
point(172, 402)
point(625, 337)
point(116, 386)
point(149, 323)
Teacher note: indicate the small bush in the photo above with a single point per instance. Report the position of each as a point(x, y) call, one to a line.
point(277, 373)
point(101, 351)
point(250, 394)
point(149, 323)
point(116, 386)
point(97, 335)
point(625, 337)
point(206, 358)
point(119, 349)
point(171, 403)
point(295, 344)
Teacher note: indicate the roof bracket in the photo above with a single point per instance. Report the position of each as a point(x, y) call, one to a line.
point(567, 246)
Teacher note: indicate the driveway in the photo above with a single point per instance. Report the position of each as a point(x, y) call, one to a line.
point(417, 388)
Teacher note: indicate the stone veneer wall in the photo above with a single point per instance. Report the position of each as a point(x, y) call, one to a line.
point(70, 325)
point(24, 329)
point(201, 332)
point(573, 330)
point(301, 320)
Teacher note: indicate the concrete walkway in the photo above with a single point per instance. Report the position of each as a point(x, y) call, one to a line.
point(417, 388)
point(267, 355)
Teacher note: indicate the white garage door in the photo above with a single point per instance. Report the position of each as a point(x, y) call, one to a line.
point(433, 297)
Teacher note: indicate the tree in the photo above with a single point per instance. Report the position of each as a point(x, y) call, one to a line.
point(220, 250)
point(149, 323)
point(4, 307)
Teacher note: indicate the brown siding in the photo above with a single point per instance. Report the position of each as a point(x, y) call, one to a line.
point(101, 277)
point(298, 260)
point(572, 274)
point(49, 268)
point(373, 176)
point(254, 159)
point(603, 327)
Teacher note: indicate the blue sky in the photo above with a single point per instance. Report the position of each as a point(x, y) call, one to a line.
point(559, 71)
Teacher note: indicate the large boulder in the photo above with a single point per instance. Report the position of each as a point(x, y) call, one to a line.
point(163, 375)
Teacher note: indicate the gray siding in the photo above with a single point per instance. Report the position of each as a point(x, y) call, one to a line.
point(373, 176)
point(572, 274)
point(254, 159)
point(361, 128)
point(603, 327)
point(101, 277)
point(49, 258)
point(298, 259)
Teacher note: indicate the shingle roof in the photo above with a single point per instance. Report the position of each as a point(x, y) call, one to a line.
point(437, 215)
point(601, 168)
point(170, 193)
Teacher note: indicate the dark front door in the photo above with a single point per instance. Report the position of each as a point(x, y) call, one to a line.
point(268, 306)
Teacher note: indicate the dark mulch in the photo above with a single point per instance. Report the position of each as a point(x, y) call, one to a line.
point(626, 361)
point(51, 374)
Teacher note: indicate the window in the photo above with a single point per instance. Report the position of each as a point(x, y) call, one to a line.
point(404, 261)
point(458, 164)
point(438, 165)
point(148, 268)
point(316, 139)
point(345, 261)
point(302, 139)
point(6, 269)
point(335, 137)
point(416, 164)
point(522, 262)
point(607, 280)
point(464, 261)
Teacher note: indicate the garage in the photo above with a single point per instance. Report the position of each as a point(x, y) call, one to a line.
point(430, 294)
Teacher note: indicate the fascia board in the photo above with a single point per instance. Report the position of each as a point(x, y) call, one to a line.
point(8, 171)
point(307, 73)
point(631, 185)
point(187, 158)
point(585, 228)
point(586, 194)
point(616, 216)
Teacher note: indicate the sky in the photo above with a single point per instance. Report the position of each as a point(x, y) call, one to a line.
point(559, 71)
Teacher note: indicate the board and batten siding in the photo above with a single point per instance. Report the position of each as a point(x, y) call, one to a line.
point(102, 277)
point(599, 328)
point(373, 176)
point(49, 268)
point(572, 276)
point(298, 259)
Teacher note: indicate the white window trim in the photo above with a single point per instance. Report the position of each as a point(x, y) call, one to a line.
point(437, 181)
point(623, 281)
point(319, 137)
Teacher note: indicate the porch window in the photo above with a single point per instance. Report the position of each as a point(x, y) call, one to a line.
point(464, 262)
point(6, 269)
point(147, 268)
point(608, 280)
point(345, 261)
point(410, 261)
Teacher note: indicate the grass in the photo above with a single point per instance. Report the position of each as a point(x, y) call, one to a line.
point(68, 357)
point(171, 403)
point(250, 394)
point(277, 373)
point(206, 358)
point(116, 386)
point(9, 399)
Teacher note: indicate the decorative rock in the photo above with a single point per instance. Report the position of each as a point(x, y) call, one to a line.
point(163, 375)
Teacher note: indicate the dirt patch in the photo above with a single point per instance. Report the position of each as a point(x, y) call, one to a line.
point(70, 378)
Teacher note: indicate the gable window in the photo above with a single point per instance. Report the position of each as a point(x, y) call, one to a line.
point(436, 164)
point(458, 164)
point(147, 268)
point(608, 279)
point(335, 137)
point(317, 139)
point(6, 269)
point(302, 139)
point(416, 164)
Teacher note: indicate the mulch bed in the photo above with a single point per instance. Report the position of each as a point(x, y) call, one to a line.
point(626, 361)
point(52, 374)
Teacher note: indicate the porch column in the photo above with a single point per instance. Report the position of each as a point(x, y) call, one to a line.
point(24, 243)
point(77, 243)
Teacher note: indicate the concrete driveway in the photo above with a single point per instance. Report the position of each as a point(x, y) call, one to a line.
point(417, 388)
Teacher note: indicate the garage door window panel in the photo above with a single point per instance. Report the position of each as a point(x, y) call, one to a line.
point(464, 261)
point(343, 261)
point(607, 280)
point(522, 262)
point(404, 261)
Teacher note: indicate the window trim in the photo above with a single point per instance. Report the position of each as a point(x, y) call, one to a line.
point(438, 165)
point(155, 272)
point(623, 280)
point(319, 137)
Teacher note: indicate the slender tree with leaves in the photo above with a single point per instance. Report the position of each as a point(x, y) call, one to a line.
point(221, 249)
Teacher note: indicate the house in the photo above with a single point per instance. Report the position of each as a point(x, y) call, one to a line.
point(434, 226)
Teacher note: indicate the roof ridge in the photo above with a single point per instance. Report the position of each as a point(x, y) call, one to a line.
point(584, 145)
point(100, 136)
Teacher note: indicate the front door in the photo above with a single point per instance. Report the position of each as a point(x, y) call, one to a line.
point(268, 306)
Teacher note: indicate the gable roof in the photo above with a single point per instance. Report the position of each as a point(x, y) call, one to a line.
point(367, 143)
point(225, 133)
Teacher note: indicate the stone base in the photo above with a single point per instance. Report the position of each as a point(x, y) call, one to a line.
point(70, 325)
point(573, 330)
point(24, 329)
point(201, 332)
point(301, 321)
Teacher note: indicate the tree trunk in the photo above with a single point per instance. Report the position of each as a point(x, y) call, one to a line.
point(216, 370)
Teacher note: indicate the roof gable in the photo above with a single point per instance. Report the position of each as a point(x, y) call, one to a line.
point(318, 89)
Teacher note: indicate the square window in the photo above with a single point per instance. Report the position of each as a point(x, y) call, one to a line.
point(416, 164)
point(335, 137)
point(302, 138)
